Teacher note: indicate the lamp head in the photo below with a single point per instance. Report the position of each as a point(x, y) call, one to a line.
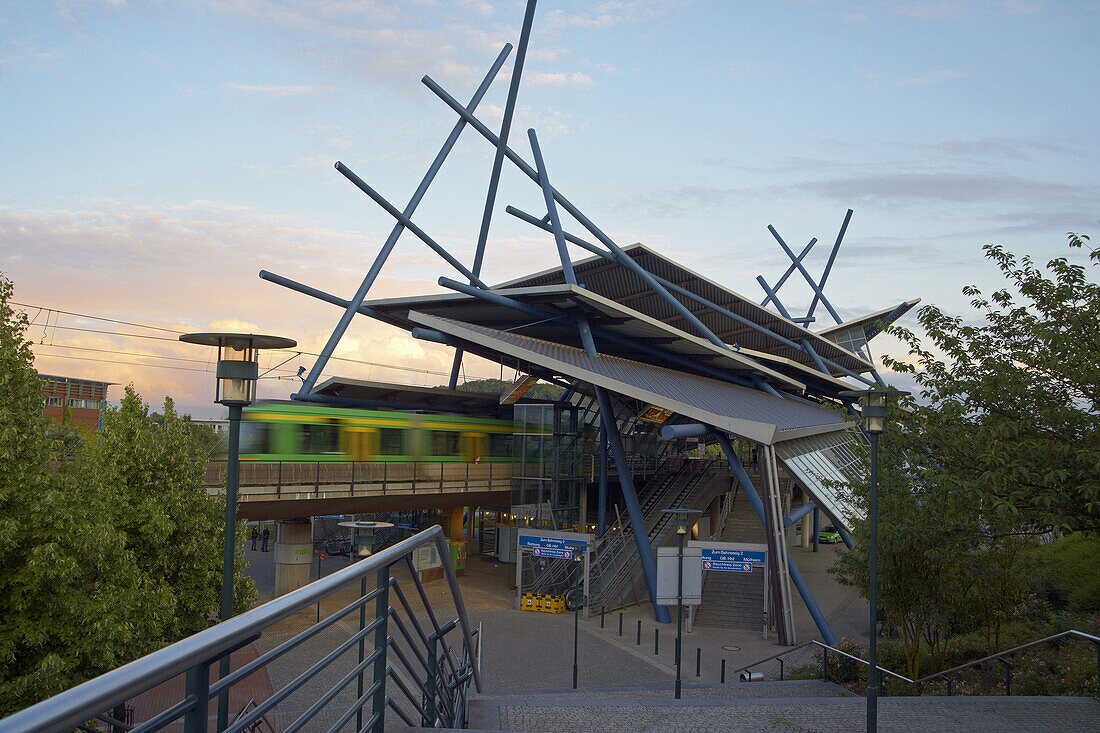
point(238, 362)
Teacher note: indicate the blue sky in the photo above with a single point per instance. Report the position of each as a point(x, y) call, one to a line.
point(157, 155)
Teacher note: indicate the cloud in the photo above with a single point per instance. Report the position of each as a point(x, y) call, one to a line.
point(277, 90)
point(670, 203)
point(931, 77)
point(940, 187)
point(558, 79)
point(609, 13)
point(936, 10)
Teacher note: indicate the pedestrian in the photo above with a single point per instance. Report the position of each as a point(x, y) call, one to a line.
point(255, 537)
point(266, 534)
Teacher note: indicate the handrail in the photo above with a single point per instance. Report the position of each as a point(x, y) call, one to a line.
point(74, 706)
point(942, 674)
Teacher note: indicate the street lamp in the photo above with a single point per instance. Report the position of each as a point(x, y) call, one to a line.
point(238, 370)
point(578, 600)
point(874, 424)
point(685, 519)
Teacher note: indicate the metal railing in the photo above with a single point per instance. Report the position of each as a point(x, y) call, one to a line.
point(430, 680)
point(944, 675)
point(274, 479)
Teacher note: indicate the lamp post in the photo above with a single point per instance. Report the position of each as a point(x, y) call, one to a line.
point(684, 519)
point(578, 595)
point(874, 424)
point(238, 370)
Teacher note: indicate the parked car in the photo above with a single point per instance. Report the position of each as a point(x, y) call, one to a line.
point(828, 534)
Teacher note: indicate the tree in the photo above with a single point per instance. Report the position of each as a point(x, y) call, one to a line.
point(105, 554)
point(72, 600)
point(1014, 400)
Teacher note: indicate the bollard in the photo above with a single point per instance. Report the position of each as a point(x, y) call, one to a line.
point(656, 639)
point(601, 616)
point(698, 659)
point(639, 632)
point(620, 623)
point(723, 671)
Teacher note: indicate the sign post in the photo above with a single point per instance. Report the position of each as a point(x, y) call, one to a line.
point(551, 544)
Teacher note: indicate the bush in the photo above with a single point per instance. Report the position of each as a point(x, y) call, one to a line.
point(1065, 572)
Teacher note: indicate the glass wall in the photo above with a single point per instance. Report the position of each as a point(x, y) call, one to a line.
point(546, 471)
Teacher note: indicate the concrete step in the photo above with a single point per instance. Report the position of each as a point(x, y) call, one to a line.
point(664, 692)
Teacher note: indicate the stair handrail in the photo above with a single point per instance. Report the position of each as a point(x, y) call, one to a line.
point(942, 674)
point(195, 654)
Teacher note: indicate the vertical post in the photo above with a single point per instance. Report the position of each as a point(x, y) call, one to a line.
point(817, 526)
point(1008, 676)
point(656, 640)
point(197, 685)
point(698, 661)
point(576, 625)
point(679, 609)
point(639, 642)
point(381, 636)
point(872, 517)
point(825, 664)
point(723, 677)
point(362, 652)
point(229, 549)
point(602, 609)
point(621, 633)
point(428, 721)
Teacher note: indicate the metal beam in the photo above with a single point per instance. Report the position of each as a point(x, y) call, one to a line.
point(829, 264)
point(573, 211)
point(633, 508)
point(498, 159)
point(809, 280)
point(790, 270)
point(559, 239)
point(361, 294)
point(758, 506)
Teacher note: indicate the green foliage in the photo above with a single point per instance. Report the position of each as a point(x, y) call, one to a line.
point(1065, 572)
point(1015, 398)
point(540, 391)
point(108, 549)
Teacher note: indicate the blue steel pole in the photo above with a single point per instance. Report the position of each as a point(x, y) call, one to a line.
point(559, 239)
point(806, 275)
point(384, 253)
point(498, 159)
point(673, 287)
point(829, 264)
point(634, 510)
point(229, 549)
point(758, 506)
point(620, 256)
point(791, 269)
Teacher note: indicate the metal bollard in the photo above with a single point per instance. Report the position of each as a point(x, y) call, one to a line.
point(620, 623)
point(639, 632)
point(698, 660)
point(602, 608)
point(656, 640)
point(723, 672)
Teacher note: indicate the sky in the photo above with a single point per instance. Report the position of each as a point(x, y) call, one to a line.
point(157, 155)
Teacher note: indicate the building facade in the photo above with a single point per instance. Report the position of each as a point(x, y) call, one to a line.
point(85, 399)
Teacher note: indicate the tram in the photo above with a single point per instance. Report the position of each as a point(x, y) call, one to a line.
point(278, 431)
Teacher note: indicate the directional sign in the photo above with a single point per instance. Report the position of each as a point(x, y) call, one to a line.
point(556, 547)
point(731, 561)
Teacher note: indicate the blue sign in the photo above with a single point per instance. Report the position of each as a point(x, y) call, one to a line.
point(731, 561)
point(556, 547)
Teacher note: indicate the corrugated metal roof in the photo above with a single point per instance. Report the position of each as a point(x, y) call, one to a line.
point(619, 284)
point(824, 465)
point(739, 410)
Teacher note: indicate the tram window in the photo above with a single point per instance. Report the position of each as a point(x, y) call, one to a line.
point(500, 446)
point(444, 443)
point(255, 437)
point(391, 441)
point(319, 439)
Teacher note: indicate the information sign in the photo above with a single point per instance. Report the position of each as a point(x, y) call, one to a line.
point(731, 561)
point(556, 547)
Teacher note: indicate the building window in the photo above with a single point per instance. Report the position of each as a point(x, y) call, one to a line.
point(53, 401)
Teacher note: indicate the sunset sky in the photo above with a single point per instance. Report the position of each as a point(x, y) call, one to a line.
point(157, 155)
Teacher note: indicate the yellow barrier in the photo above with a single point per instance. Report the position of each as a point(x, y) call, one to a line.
point(542, 603)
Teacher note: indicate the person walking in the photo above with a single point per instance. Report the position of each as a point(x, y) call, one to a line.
point(266, 534)
point(255, 537)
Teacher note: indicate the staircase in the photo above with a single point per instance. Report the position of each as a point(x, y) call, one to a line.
point(736, 600)
point(618, 577)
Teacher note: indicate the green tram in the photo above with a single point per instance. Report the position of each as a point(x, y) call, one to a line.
point(278, 431)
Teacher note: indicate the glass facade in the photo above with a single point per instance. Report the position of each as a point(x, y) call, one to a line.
point(546, 465)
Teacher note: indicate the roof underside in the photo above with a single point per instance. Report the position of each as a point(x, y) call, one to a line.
point(825, 465)
point(742, 411)
point(620, 284)
point(434, 399)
